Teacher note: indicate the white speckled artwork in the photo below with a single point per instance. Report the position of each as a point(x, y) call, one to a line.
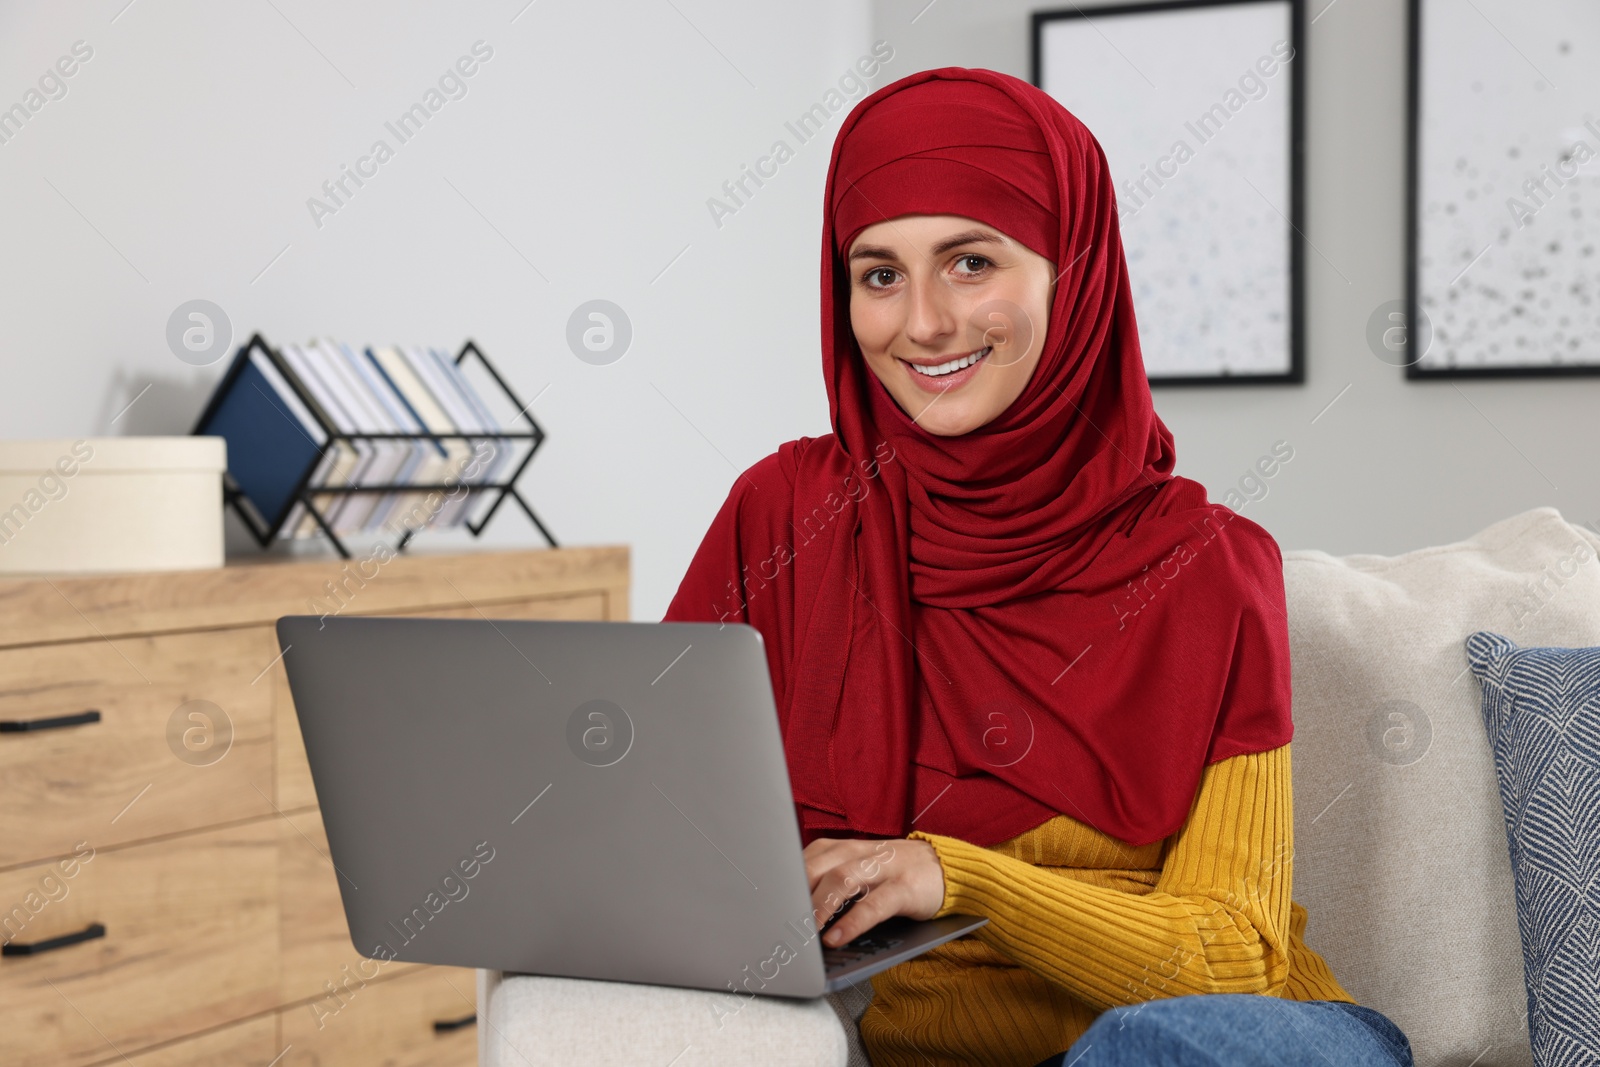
point(1193, 108)
point(1508, 184)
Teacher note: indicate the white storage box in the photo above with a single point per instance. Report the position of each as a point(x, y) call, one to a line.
point(111, 504)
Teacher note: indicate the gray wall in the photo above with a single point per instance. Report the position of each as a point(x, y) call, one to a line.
point(1391, 466)
point(577, 166)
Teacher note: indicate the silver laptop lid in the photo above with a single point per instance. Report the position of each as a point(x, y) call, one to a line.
point(586, 799)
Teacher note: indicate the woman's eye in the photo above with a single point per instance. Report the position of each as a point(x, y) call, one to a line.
point(879, 277)
point(971, 265)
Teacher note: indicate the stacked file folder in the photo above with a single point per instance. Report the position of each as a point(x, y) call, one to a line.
point(337, 440)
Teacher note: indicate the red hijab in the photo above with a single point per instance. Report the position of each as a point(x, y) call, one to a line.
point(969, 635)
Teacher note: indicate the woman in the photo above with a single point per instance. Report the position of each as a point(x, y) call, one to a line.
point(1023, 670)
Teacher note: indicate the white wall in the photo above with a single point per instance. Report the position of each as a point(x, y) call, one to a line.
point(179, 163)
point(1391, 466)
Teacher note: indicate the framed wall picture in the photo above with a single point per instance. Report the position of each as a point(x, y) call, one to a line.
point(1503, 175)
point(1199, 108)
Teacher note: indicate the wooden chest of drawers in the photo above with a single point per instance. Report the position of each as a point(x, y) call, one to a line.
point(166, 899)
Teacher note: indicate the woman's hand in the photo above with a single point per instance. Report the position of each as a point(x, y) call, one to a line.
point(899, 877)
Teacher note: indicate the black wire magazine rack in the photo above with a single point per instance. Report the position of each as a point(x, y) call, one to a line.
point(265, 528)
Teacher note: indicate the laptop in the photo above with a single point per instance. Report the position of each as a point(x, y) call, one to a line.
point(604, 800)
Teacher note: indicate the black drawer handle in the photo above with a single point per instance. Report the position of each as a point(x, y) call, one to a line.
point(88, 933)
point(22, 726)
point(444, 1026)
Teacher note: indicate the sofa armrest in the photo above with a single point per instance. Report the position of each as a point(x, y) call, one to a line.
point(534, 1021)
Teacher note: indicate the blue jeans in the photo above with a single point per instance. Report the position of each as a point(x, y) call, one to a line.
point(1238, 1030)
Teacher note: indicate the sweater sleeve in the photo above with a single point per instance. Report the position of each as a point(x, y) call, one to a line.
point(1217, 919)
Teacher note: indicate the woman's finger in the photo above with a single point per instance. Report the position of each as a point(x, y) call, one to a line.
point(836, 886)
point(831, 896)
point(827, 854)
point(820, 858)
point(859, 872)
point(879, 903)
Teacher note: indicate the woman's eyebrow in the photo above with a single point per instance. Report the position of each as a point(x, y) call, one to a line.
point(970, 237)
point(871, 252)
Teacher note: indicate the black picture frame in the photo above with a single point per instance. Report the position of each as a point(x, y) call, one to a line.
point(1414, 371)
point(1295, 374)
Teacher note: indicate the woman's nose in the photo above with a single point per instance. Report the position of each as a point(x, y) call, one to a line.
point(931, 318)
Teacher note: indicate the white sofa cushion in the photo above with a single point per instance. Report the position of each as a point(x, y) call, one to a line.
point(1400, 850)
point(575, 1022)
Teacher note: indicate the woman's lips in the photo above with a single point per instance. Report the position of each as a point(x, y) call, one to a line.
point(945, 382)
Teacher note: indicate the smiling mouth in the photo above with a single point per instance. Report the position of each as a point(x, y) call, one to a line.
point(960, 363)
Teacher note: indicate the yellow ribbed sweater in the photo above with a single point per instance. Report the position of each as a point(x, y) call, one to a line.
point(1080, 922)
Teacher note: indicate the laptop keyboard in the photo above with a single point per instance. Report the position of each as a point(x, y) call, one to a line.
point(864, 947)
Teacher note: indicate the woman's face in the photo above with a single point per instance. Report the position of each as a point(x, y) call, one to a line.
point(951, 316)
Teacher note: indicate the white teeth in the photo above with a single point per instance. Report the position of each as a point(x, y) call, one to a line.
point(951, 367)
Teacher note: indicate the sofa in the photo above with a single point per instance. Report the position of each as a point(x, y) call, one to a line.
point(1400, 854)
